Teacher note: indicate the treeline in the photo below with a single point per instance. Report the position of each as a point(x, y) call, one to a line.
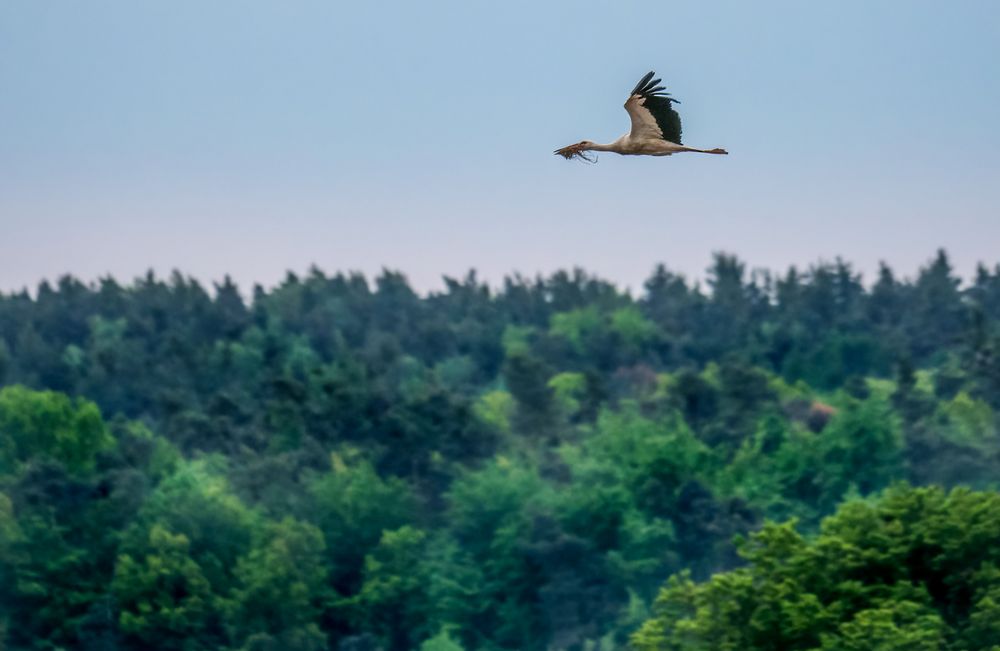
point(168, 342)
point(345, 464)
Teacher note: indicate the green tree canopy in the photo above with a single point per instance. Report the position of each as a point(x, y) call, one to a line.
point(36, 424)
point(912, 569)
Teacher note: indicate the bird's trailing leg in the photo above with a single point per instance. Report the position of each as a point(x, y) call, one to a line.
point(717, 150)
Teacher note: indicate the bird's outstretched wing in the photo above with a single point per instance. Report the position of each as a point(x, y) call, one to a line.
point(652, 113)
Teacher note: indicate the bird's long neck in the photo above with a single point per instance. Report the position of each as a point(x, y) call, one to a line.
point(611, 146)
point(617, 146)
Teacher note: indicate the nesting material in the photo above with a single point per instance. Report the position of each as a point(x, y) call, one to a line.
point(577, 151)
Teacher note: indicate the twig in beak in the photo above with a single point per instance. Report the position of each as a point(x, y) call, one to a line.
point(576, 151)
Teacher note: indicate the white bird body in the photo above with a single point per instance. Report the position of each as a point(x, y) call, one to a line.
point(656, 127)
point(628, 146)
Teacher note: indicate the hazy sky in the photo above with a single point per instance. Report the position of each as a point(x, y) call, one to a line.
point(254, 137)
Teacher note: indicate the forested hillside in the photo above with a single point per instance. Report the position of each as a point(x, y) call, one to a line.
point(342, 463)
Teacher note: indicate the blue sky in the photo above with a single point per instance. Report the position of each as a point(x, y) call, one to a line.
point(253, 137)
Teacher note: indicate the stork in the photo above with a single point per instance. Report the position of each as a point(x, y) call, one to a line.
point(656, 126)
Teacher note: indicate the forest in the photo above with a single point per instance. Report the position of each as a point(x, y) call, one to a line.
point(798, 460)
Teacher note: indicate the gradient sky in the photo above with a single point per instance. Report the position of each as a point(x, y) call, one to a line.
point(254, 137)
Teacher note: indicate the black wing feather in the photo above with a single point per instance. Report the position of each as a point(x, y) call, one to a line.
point(642, 82)
point(660, 104)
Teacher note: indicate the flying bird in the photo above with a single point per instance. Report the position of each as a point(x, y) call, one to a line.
point(656, 126)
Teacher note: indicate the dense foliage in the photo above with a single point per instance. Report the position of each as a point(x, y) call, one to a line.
point(918, 570)
point(339, 464)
